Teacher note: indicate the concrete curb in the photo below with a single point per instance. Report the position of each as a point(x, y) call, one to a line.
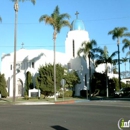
point(46, 103)
point(65, 102)
point(34, 103)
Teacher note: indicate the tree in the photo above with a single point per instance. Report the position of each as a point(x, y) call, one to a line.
point(72, 79)
point(118, 33)
point(46, 78)
point(28, 82)
point(124, 60)
point(57, 21)
point(104, 58)
point(36, 83)
point(16, 8)
point(126, 43)
point(87, 48)
point(3, 86)
point(98, 83)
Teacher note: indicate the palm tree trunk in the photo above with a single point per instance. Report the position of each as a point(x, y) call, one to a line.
point(119, 63)
point(107, 90)
point(125, 69)
point(54, 38)
point(15, 44)
point(89, 76)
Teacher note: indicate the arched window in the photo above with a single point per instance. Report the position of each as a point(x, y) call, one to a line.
point(73, 47)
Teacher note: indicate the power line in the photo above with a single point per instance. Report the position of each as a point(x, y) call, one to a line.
point(105, 19)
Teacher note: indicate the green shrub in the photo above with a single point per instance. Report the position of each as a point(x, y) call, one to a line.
point(60, 96)
point(26, 97)
point(68, 93)
point(42, 96)
point(3, 93)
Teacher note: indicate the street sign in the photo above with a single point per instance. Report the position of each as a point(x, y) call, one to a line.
point(63, 82)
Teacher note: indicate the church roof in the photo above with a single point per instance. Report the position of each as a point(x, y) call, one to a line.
point(77, 24)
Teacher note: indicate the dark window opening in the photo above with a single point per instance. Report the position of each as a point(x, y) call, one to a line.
point(10, 67)
point(73, 49)
point(32, 64)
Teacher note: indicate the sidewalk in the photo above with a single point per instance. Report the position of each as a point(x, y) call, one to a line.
point(8, 101)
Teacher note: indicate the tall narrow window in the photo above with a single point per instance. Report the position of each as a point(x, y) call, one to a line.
point(32, 64)
point(73, 47)
point(85, 79)
point(10, 67)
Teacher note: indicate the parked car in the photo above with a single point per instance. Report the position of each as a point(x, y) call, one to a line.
point(124, 92)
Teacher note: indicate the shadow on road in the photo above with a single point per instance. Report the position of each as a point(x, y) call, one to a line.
point(57, 127)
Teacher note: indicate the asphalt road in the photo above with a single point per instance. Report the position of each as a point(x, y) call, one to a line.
point(93, 115)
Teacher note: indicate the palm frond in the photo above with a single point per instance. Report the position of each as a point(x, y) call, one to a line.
point(63, 23)
point(64, 16)
point(118, 32)
point(56, 20)
point(126, 43)
point(128, 53)
point(114, 54)
point(47, 19)
point(80, 51)
point(115, 61)
point(33, 1)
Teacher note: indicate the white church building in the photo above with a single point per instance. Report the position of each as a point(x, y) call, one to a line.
point(31, 60)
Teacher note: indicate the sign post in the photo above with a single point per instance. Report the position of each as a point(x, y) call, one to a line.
point(63, 82)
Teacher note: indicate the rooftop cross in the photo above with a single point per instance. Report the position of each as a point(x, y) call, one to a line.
point(77, 14)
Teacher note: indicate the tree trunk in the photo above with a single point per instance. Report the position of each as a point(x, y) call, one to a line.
point(15, 44)
point(119, 63)
point(54, 38)
point(89, 76)
point(107, 90)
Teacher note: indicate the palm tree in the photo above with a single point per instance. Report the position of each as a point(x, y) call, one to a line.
point(87, 48)
point(15, 43)
point(57, 21)
point(33, 1)
point(118, 33)
point(124, 60)
point(104, 58)
point(126, 45)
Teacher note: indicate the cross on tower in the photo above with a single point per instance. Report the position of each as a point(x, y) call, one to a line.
point(22, 45)
point(77, 14)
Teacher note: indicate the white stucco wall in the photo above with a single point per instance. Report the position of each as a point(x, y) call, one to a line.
point(25, 58)
point(79, 36)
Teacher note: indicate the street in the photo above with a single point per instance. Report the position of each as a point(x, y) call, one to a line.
point(91, 115)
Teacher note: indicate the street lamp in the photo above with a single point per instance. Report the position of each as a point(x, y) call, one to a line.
point(15, 43)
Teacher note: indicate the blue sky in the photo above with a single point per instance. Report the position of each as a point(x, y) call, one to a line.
point(99, 17)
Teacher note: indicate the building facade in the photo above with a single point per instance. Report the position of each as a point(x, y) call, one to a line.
point(31, 60)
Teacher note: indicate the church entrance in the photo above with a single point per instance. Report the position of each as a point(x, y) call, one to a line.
point(19, 87)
